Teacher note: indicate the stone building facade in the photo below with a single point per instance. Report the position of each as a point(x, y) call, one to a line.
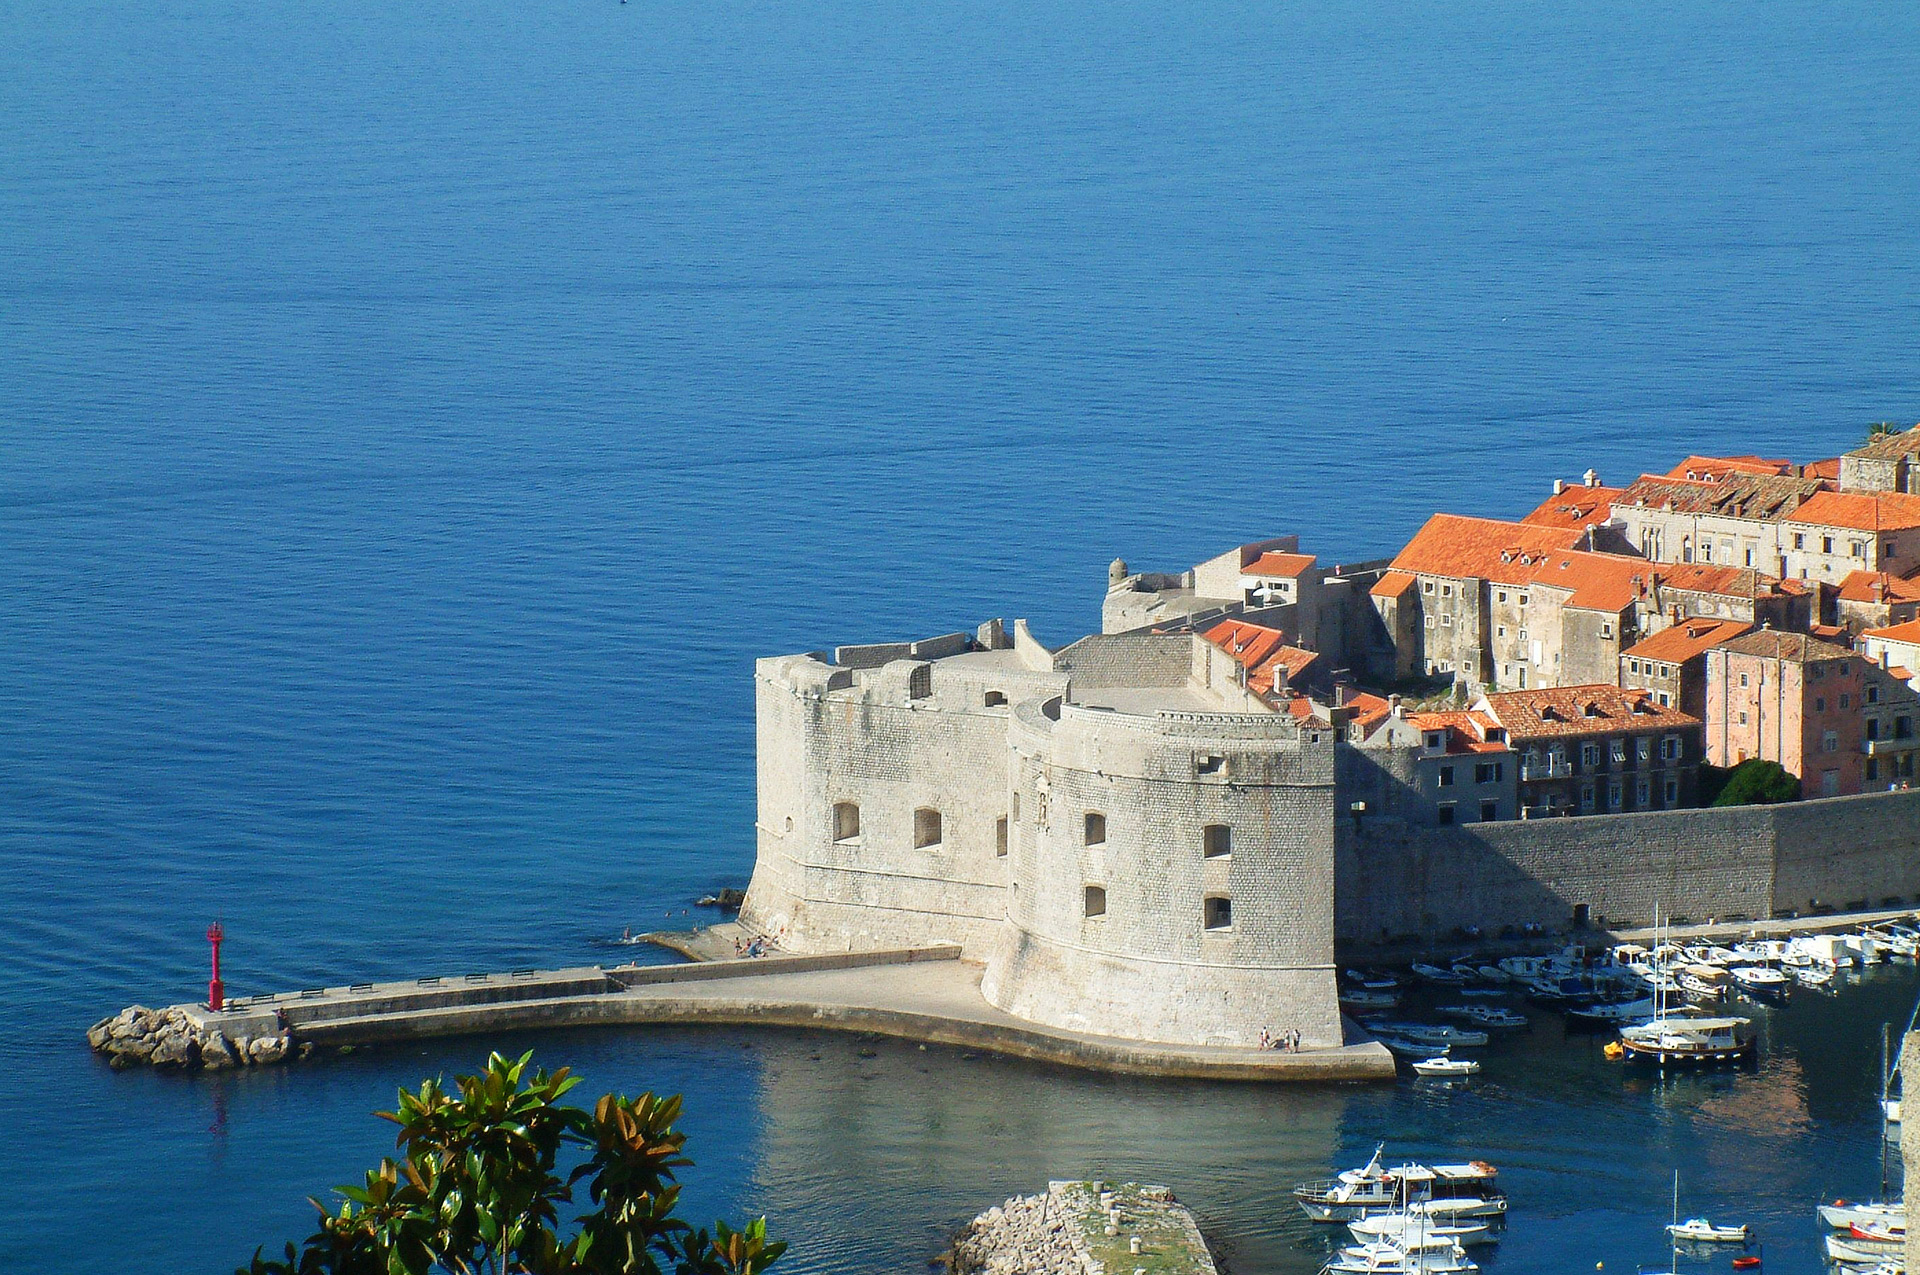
point(1597, 749)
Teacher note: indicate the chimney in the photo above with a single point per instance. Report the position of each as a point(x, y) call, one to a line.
point(1559, 486)
point(1393, 707)
point(1590, 478)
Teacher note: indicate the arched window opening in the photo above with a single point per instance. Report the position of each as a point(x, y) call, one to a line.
point(1219, 912)
point(926, 828)
point(1096, 900)
point(1096, 828)
point(846, 821)
point(1216, 841)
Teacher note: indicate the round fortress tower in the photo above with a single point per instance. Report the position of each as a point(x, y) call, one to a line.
point(1171, 875)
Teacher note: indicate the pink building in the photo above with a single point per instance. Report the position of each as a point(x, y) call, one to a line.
point(1837, 721)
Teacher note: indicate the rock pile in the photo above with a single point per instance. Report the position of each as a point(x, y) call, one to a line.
point(1028, 1235)
point(171, 1041)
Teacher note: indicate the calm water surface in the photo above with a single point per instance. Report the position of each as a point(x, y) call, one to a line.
point(414, 420)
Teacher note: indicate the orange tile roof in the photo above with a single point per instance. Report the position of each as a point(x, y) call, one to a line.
point(1466, 730)
point(1285, 565)
point(1450, 545)
point(1908, 632)
point(1575, 507)
point(1368, 710)
point(1711, 468)
point(1828, 469)
point(1777, 644)
point(1701, 577)
point(1860, 510)
point(1581, 710)
point(1828, 632)
point(1905, 442)
point(1759, 496)
point(1878, 586)
point(1392, 585)
point(1681, 642)
point(1260, 650)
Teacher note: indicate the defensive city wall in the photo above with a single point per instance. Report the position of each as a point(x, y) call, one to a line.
point(1131, 844)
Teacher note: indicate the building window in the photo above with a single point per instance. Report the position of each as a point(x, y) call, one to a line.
point(1586, 799)
point(1210, 764)
point(1501, 630)
point(1503, 595)
point(1673, 791)
point(1706, 551)
point(1846, 702)
point(846, 821)
point(1523, 599)
point(996, 699)
point(926, 828)
point(1743, 717)
point(1446, 812)
point(1826, 544)
point(1873, 695)
point(1016, 806)
point(1613, 795)
point(920, 682)
point(1743, 680)
point(1216, 841)
point(1799, 541)
point(1830, 742)
point(1000, 837)
point(1446, 776)
point(1619, 749)
point(1096, 828)
point(1446, 590)
point(1640, 793)
point(1873, 768)
point(1859, 548)
point(1819, 703)
point(1643, 747)
point(1749, 557)
point(1873, 728)
point(1096, 900)
point(1666, 701)
point(1489, 811)
point(1429, 621)
point(1589, 755)
point(1606, 630)
point(1217, 912)
point(1523, 636)
point(1489, 772)
point(1446, 621)
point(1426, 586)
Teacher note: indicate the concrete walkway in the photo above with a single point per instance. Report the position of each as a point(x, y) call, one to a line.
point(924, 994)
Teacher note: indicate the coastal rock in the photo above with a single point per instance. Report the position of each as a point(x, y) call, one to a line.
point(268, 1049)
point(99, 1034)
point(174, 1050)
point(240, 1045)
point(215, 1053)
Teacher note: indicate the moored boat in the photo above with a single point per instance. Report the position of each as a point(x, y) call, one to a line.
point(1690, 1040)
point(1373, 1188)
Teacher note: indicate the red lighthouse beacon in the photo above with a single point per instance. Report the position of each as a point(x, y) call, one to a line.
point(216, 990)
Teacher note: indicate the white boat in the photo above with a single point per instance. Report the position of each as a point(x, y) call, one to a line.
point(1373, 1188)
point(1397, 1227)
point(1617, 1011)
point(1842, 1216)
point(1361, 998)
point(1690, 1040)
point(1437, 974)
point(1759, 978)
point(1444, 1066)
point(1811, 975)
point(1390, 1259)
point(1457, 1208)
point(1699, 1230)
point(1437, 1034)
point(1496, 1016)
point(1848, 1249)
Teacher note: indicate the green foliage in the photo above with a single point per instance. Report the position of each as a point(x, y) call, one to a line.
point(1878, 428)
point(1751, 783)
point(478, 1190)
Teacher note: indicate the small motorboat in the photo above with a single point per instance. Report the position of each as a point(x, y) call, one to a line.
point(1746, 1262)
point(1842, 1215)
point(1449, 1067)
point(1844, 1248)
point(1396, 1228)
point(1438, 974)
point(1759, 978)
point(1699, 1230)
point(1496, 1017)
point(1364, 999)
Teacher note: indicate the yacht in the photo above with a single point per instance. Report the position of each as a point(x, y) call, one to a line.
point(1690, 1040)
point(1397, 1227)
point(1374, 1188)
point(1383, 1258)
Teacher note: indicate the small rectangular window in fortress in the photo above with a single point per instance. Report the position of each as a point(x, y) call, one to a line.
point(1216, 841)
point(1000, 837)
point(846, 821)
point(1218, 912)
point(926, 829)
point(996, 699)
point(1096, 901)
point(920, 682)
point(1208, 765)
point(1096, 828)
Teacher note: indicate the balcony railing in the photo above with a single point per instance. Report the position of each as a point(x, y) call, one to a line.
point(1548, 769)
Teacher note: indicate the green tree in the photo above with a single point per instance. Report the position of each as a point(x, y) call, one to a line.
point(1757, 783)
point(479, 1187)
point(1878, 428)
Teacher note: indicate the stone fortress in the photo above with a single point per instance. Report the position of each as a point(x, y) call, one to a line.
point(1162, 832)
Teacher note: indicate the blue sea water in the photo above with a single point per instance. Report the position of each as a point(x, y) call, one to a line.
point(414, 420)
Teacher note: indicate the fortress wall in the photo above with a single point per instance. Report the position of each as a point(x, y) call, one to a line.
point(1148, 967)
point(871, 743)
point(1736, 862)
point(1847, 850)
point(1109, 659)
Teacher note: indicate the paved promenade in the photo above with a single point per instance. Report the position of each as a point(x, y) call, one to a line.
point(920, 994)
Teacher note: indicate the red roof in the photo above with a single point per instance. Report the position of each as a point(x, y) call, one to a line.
point(1260, 650)
point(1368, 710)
point(1582, 710)
point(1878, 586)
point(1449, 545)
point(1392, 585)
point(1285, 565)
point(1681, 642)
point(1908, 632)
point(1466, 731)
point(1828, 469)
point(1701, 577)
point(1713, 468)
point(1860, 510)
point(1575, 507)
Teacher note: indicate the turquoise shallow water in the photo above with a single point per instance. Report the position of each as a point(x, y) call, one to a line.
point(413, 422)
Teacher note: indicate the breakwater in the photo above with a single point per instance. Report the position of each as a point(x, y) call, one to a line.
point(1084, 1228)
point(924, 994)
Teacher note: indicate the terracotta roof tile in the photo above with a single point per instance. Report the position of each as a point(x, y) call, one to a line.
point(1860, 510)
point(1260, 650)
point(1574, 507)
point(1285, 565)
point(1368, 710)
point(1878, 586)
point(1466, 730)
point(1392, 585)
point(1681, 642)
point(1760, 496)
point(1828, 469)
point(1450, 545)
point(1712, 468)
point(1777, 644)
point(1908, 632)
point(1888, 446)
point(1581, 710)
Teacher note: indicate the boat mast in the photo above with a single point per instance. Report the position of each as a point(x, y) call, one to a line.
point(1886, 1082)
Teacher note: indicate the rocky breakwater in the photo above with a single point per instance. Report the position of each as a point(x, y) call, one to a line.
point(172, 1040)
point(1084, 1228)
